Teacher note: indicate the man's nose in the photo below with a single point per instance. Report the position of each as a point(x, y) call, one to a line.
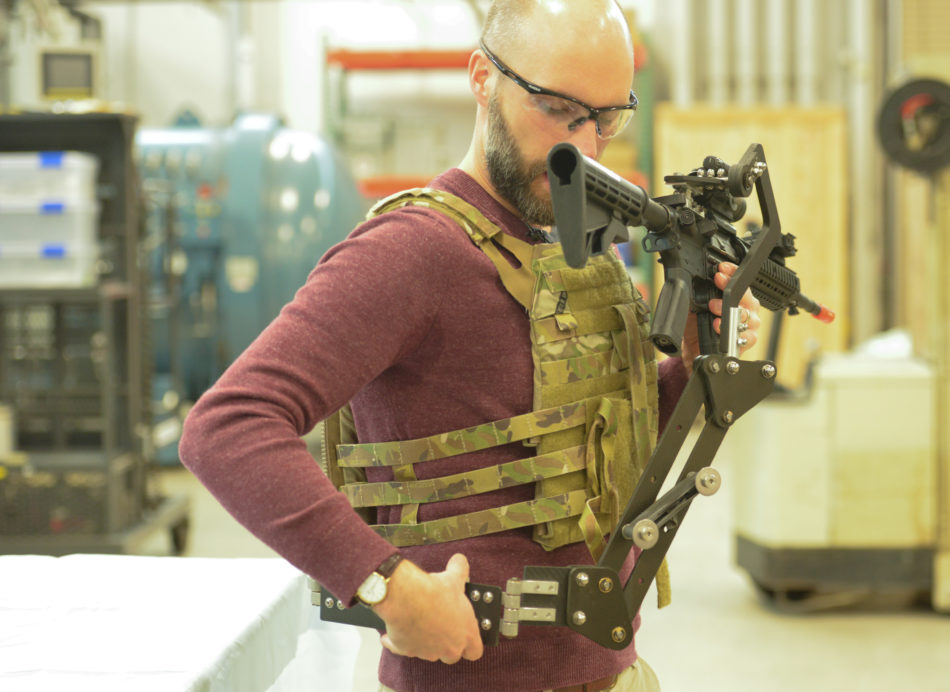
point(586, 139)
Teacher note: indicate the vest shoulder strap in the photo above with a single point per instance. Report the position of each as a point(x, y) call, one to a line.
point(519, 280)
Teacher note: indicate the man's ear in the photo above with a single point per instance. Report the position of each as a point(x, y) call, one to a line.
point(479, 77)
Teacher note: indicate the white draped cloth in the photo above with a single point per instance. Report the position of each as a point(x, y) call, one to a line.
point(119, 623)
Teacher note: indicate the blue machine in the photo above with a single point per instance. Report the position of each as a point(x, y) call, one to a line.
point(237, 218)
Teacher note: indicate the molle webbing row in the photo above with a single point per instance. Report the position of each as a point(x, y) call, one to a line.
point(410, 493)
point(462, 441)
point(486, 521)
point(468, 483)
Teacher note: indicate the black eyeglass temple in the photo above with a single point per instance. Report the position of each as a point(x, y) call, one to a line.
point(524, 83)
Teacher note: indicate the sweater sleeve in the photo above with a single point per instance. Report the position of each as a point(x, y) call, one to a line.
point(361, 309)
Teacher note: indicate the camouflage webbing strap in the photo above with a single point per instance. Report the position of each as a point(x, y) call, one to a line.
point(472, 439)
point(512, 473)
point(485, 436)
point(514, 516)
point(518, 281)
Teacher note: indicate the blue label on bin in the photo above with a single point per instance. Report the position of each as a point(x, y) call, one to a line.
point(51, 159)
point(53, 251)
point(52, 208)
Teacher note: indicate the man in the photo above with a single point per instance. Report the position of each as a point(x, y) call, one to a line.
point(422, 331)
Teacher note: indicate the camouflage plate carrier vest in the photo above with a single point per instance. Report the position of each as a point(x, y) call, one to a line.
point(594, 423)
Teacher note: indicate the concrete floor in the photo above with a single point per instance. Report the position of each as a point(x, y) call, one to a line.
point(717, 635)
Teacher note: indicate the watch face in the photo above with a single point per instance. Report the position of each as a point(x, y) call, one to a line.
point(373, 590)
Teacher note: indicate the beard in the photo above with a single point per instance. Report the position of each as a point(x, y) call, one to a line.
point(510, 174)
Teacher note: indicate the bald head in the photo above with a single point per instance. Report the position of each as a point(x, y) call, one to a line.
point(576, 49)
point(557, 30)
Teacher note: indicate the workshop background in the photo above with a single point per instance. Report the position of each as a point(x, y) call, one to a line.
point(171, 171)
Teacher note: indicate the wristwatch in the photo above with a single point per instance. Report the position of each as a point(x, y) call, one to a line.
point(373, 590)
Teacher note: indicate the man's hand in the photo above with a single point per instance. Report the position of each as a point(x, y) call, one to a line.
point(428, 616)
point(748, 316)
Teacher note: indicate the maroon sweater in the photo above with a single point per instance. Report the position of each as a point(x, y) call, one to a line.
point(408, 320)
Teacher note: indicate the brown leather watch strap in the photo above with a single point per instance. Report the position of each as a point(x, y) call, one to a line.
point(389, 565)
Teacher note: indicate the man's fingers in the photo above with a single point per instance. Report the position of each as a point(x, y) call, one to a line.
point(474, 650)
point(458, 566)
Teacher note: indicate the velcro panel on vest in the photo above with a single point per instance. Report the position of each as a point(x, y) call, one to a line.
point(467, 483)
point(473, 439)
point(514, 516)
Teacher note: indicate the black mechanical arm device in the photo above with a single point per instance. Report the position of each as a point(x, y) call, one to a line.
point(692, 233)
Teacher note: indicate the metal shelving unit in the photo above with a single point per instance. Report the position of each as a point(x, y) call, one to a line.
point(74, 367)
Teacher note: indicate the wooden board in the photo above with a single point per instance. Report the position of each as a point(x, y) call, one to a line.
point(806, 153)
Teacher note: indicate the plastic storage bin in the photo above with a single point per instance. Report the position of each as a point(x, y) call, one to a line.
point(48, 176)
point(48, 220)
point(48, 249)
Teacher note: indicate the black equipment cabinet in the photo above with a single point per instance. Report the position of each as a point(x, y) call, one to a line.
point(75, 369)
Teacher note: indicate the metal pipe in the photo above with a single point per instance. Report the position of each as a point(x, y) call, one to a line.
point(747, 49)
point(716, 52)
point(864, 166)
point(806, 49)
point(894, 260)
point(775, 53)
point(682, 51)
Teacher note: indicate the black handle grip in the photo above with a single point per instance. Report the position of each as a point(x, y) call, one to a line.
point(486, 602)
point(672, 309)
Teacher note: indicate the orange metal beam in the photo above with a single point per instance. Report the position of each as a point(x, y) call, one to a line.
point(398, 60)
point(380, 186)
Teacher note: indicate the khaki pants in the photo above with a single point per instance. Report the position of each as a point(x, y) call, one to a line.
point(637, 678)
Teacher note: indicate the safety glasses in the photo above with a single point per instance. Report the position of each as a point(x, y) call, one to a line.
point(567, 112)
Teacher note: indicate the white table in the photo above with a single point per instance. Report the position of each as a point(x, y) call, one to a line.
point(119, 623)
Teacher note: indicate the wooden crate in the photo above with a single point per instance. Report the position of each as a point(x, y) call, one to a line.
point(806, 153)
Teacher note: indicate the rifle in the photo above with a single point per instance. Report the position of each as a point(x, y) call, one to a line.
point(692, 233)
point(690, 230)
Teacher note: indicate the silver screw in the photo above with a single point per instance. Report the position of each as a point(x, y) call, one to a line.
point(708, 481)
point(712, 366)
point(720, 172)
point(768, 371)
point(646, 534)
point(339, 605)
point(488, 597)
point(328, 602)
point(728, 417)
point(732, 367)
point(486, 624)
point(582, 579)
point(579, 617)
point(476, 595)
point(606, 585)
point(618, 634)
